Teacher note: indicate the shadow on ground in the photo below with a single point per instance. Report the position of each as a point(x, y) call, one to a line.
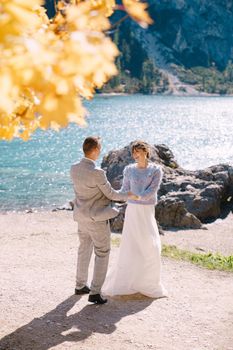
point(56, 327)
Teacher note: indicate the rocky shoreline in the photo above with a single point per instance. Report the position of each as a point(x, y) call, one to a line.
point(186, 199)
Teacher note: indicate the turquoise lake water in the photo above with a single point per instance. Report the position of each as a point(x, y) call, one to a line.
point(199, 131)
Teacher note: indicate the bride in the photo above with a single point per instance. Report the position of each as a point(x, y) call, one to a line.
point(138, 269)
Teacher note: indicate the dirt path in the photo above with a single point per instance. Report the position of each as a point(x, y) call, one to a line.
point(38, 310)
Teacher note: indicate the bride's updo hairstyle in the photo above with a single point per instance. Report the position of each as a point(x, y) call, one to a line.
point(141, 145)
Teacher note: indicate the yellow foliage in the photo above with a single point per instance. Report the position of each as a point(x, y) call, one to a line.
point(136, 10)
point(48, 66)
point(107, 6)
point(17, 16)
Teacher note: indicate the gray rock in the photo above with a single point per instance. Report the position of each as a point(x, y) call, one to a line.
point(170, 212)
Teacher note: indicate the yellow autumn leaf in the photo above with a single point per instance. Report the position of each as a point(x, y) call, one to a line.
point(138, 12)
point(18, 15)
point(83, 17)
point(107, 6)
point(57, 109)
point(9, 126)
point(28, 129)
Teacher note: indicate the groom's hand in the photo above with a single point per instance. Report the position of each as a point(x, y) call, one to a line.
point(133, 196)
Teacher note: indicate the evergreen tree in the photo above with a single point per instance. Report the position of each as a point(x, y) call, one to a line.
point(229, 71)
point(150, 77)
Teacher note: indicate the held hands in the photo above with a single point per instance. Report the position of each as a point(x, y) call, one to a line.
point(133, 196)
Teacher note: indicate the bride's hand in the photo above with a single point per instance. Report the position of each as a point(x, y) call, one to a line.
point(133, 196)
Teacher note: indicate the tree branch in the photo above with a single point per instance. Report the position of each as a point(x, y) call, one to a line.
point(119, 22)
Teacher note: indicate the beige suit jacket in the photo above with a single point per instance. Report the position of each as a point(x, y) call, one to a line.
point(93, 192)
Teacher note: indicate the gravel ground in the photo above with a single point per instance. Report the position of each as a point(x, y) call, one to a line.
point(38, 310)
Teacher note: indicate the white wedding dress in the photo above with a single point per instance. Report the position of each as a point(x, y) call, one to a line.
point(138, 266)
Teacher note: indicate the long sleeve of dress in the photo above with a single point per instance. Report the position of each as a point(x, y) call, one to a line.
point(126, 183)
point(153, 186)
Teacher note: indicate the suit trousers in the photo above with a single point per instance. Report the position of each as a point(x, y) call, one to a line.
point(95, 235)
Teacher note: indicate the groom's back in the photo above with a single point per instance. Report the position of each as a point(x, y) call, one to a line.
point(85, 178)
point(85, 181)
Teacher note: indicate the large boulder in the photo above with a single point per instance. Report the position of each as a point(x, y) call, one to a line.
point(171, 212)
point(186, 199)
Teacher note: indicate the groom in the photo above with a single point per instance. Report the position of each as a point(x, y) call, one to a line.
point(92, 210)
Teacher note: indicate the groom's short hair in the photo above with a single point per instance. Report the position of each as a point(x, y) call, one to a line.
point(90, 143)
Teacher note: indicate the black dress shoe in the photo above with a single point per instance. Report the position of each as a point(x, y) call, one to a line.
point(97, 299)
point(84, 290)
